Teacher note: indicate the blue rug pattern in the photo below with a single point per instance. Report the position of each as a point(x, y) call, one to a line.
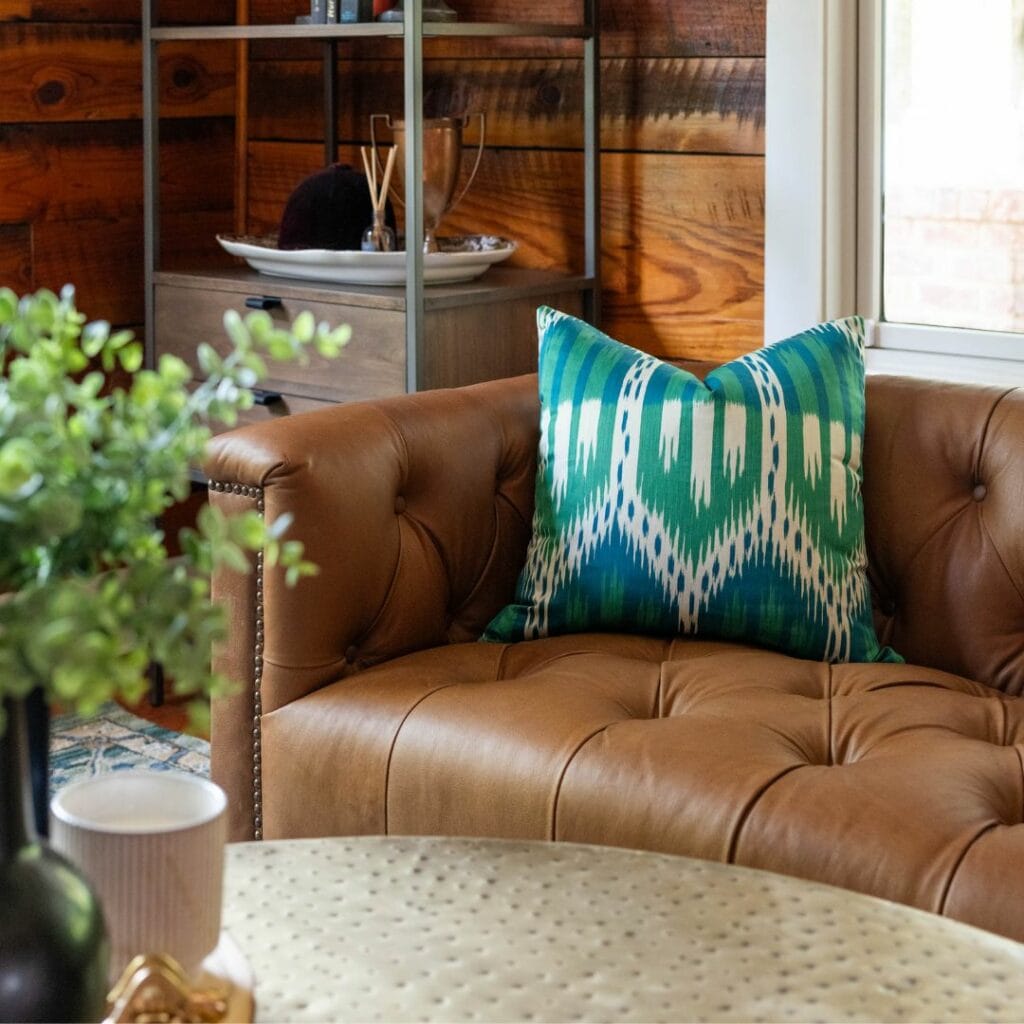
point(114, 740)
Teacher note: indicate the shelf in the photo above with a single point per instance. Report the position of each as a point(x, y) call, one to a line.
point(506, 283)
point(414, 336)
point(390, 30)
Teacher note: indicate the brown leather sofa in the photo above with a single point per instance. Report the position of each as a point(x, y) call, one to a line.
point(368, 705)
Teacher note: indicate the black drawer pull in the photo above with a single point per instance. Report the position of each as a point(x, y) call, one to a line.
point(263, 302)
point(263, 397)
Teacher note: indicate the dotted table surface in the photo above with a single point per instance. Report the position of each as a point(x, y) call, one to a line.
point(425, 929)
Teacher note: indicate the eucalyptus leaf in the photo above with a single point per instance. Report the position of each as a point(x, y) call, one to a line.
point(304, 327)
point(90, 595)
point(130, 357)
point(94, 337)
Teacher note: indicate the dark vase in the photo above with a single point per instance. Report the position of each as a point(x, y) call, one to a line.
point(53, 942)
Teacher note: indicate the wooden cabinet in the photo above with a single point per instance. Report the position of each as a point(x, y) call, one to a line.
point(473, 332)
point(404, 338)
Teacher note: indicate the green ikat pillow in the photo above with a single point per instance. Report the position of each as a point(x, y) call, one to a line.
point(728, 508)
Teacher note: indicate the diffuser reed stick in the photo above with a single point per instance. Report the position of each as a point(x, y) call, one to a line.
point(378, 237)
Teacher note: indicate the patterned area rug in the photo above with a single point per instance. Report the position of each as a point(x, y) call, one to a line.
point(115, 740)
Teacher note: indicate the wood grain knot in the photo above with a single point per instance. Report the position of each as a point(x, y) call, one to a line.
point(186, 79)
point(51, 93)
point(549, 95)
point(183, 77)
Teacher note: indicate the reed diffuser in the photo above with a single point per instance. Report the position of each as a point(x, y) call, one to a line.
point(378, 237)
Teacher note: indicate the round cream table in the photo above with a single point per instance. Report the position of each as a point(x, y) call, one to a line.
point(421, 929)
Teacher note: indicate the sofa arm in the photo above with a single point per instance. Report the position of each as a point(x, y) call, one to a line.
point(416, 509)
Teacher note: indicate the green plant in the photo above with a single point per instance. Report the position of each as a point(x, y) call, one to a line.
point(88, 594)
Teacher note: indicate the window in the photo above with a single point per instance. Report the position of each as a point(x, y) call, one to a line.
point(953, 164)
point(895, 178)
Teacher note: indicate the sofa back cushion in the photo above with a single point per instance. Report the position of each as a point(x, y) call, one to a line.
point(730, 507)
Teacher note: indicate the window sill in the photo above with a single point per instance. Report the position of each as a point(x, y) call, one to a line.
point(941, 366)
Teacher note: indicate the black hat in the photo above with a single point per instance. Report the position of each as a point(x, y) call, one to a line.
point(329, 210)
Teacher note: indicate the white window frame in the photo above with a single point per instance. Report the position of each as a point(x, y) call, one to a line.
point(823, 177)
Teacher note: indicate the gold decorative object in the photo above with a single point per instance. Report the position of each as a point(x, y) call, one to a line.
point(155, 990)
point(442, 158)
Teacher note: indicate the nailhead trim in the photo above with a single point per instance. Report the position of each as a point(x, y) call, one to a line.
point(248, 491)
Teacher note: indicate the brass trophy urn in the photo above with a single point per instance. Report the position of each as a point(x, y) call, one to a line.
point(442, 160)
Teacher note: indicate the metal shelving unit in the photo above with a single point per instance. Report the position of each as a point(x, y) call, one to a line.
point(371, 29)
point(412, 31)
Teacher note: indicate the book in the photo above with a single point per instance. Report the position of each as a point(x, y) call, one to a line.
point(355, 10)
point(331, 11)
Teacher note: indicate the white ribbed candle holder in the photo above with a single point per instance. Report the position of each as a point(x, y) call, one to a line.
point(152, 844)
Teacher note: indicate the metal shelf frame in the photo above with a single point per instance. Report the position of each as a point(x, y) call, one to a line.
point(412, 31)
point(430, 29)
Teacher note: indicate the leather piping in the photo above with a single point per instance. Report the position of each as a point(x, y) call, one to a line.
point(1002, 561)
point(831, 744)
point(984, 431)
point(977, 477)
point(360, 639)
point(748, 809)
point(948, 886)
point(492, 556)
point(553, 835)
point(394, 741)
point(1020, 757)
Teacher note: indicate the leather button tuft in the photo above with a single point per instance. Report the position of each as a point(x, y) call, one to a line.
point(979, 492)
point(399, 505)
point(350, 654)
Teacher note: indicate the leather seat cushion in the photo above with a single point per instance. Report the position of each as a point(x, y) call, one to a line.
point(895, 780)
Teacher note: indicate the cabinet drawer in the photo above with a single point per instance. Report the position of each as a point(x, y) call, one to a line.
point(372, 365)
point(287, 405)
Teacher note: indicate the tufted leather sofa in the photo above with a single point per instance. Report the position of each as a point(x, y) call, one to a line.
point(369, 707)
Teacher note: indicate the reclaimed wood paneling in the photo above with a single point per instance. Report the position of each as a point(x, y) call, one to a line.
point(71, 147)
point(69, 172)
point(96, 75)
point(682, 137)
point(688, 105)
point(629, 28)
point(275, 168)
point(682, 133)
point(189, 238)
point(684, 277)
point(16, 256)
point(173, 12)
point(682, 234)
point(100, 256)
point(85, 171)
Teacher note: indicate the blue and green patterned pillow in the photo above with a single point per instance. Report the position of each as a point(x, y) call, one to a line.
point(729, 508)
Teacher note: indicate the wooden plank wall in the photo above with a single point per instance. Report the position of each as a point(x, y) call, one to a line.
point(682, 136)
point(71, 153)
point(682, 141)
